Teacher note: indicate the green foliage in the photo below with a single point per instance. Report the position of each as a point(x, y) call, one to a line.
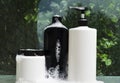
point(30, 18)
point(105, 18)
point(104, 58)
point(105, 43)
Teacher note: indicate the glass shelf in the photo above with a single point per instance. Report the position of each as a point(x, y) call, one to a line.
point(106, 79)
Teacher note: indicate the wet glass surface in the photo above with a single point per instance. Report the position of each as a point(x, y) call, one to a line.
point(106, 79)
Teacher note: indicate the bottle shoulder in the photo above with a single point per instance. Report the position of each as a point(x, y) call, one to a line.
point(55, 25)
point(82, 28)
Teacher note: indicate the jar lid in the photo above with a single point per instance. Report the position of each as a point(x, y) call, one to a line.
point(32, 52)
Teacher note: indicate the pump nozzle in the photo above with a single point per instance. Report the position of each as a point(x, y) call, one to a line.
point(82, 9)
point(83, 20)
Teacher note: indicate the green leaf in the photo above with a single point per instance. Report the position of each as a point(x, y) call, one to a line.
point(111, 5)
point(92, 5)
point(104, 57)
point(88, 13)
point(114, 19)
point(108, 62)
point(26, 17)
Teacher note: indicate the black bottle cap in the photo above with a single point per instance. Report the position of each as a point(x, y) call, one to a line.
point(56, 18)
point(83, 21)
point(32, 52)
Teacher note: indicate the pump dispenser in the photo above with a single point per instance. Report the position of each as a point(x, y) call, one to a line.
point(83, 21)
point(56, 43)
point(82, 51)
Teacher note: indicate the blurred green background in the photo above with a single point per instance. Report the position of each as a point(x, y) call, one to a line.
point(22, 23)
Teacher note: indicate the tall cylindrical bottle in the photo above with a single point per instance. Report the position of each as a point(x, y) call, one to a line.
point(82, 51)
point(56, 43)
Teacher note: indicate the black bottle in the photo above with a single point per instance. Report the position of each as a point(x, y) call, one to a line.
point(56, 43)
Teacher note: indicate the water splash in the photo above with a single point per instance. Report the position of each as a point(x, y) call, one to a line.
point(53, 73)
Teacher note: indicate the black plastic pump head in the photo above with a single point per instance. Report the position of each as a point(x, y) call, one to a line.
point(56, 18)
point(83, 21)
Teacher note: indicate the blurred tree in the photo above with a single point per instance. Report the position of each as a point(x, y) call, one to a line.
point(17, 30)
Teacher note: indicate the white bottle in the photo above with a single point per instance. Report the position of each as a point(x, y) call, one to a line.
point(82, 51)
